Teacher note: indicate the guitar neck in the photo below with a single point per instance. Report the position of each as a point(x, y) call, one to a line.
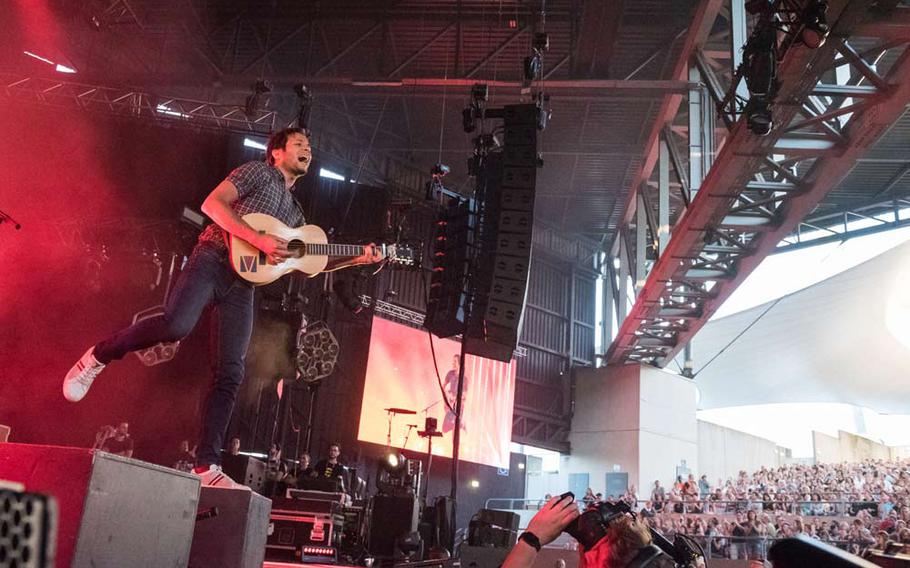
point(331, 249)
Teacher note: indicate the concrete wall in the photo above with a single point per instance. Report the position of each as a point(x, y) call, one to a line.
point(847, 447)
point(637, 417)
point(724, 452)
point(668, 432)
point(604, 426)
point(826, 449)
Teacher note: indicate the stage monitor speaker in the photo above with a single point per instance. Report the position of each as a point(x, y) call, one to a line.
point(234, 529)
point(392, 518)
point(502, 519)
point(497, 529)
point(246, 470)
point(112, 511)
point(482, 556)
point(804, 552)
point(28, 529)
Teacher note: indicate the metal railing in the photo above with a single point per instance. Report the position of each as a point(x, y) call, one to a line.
point(756, 547)
point(843, 508)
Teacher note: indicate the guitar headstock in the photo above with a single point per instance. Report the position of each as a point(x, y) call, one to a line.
point(404, 255)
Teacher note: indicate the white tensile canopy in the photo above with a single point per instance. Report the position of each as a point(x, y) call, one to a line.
point(845, 339)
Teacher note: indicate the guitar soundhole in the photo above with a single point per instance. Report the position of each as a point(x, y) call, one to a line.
point(297, 248)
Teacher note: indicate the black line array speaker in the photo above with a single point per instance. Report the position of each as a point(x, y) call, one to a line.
point(508, 183)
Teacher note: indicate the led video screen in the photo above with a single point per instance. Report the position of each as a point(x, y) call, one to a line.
point(400, 374)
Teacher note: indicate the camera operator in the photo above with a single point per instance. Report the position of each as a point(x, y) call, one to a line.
point(609, 536)
point(543, 529)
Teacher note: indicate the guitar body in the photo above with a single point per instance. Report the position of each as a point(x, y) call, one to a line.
point(252, 265)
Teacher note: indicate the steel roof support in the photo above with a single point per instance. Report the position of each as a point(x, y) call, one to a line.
point(758, 190)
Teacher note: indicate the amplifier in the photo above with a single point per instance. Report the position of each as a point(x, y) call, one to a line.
point(302, 537)
point(312, 501)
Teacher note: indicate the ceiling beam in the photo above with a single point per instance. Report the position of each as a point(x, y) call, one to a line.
point(497, 51)
point(702, 22)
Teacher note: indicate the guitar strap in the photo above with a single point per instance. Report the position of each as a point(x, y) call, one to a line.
point(300, 209)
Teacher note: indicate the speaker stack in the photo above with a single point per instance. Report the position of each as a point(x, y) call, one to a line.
point(482, 246)
point(507, 182)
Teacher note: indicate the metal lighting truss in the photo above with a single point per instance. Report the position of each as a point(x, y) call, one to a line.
point(374, 167)
point(831, 106)
point(136, 104)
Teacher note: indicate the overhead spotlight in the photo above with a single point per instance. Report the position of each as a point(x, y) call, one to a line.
point(480, 92)
point(815, 24)
point(344, 288)
point(761, 77)
point(532, 66)
point(761, 61)
point(306, 106)
point(440, 170)
point(260, 88)
point(759, 117)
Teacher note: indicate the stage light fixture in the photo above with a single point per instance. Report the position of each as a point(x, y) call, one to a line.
point(317, 353)
point(759, 116)
point(480, 92)
point(393, 462)
point(532, 66)
point(440, 170)
point(815, 24)
point(761, 76)
point(260, 88)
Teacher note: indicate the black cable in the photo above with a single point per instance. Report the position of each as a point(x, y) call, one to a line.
point(442, 389)
point(740, 334)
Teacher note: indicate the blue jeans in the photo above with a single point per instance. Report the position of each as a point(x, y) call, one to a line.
point(207, 278)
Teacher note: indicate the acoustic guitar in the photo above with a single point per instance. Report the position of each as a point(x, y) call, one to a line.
point(310, 251)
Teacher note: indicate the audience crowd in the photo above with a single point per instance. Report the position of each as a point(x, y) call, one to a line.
point(852, 506)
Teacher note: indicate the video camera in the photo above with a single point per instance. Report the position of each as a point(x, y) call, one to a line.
point(592, 525)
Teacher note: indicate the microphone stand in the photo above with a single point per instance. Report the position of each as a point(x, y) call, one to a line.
point(408, 435)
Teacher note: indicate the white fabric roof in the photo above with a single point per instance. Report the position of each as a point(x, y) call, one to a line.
point(845, 339)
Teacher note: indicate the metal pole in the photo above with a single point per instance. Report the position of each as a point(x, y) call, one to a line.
point(313, 387)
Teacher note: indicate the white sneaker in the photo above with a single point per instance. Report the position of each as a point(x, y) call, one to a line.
point(80, 377)
point(214, 477)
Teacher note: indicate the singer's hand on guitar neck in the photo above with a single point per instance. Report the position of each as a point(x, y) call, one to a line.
point(371, 254)
point(274, 247)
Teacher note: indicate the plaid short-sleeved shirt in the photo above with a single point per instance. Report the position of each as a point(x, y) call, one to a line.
point(260, 188)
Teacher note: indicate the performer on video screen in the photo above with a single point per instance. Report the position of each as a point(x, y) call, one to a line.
point(450, 385)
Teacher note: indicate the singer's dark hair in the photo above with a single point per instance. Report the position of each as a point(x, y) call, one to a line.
point(280, 139)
